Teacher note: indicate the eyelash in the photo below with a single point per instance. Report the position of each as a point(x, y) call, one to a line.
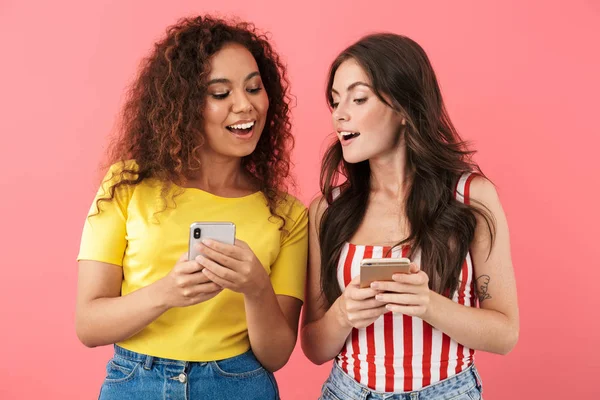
point(222, 96)
point(357, 101)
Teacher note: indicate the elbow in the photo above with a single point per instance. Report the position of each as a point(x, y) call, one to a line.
point(314, 358)
point(276, 364)
point(274, 361)
point(85, 339)
point(310, 352)
point(84, 335)
point(509, 342)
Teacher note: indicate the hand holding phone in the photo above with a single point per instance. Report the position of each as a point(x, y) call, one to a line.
point(381, 269)
point(184, 286)
point(223, 232)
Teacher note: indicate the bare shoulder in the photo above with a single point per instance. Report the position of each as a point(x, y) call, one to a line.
point(317, 208)
point(483, 191)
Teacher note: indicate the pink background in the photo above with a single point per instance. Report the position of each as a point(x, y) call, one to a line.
point(521, 80)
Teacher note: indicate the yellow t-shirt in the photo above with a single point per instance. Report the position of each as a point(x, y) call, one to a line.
point(135, 231)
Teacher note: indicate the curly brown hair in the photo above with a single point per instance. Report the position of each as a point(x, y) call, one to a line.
point(161, 126)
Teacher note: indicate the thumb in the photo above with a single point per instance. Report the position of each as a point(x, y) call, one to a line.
point(414, 268)
point(241, 243)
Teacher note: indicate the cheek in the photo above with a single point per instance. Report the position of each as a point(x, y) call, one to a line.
point(214, 112)
point(385, 125)
point(261, 103)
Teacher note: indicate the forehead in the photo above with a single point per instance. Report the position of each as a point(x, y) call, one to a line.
point(232, 61)
point(347, 73)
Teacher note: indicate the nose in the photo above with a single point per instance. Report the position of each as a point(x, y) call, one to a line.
point(241, 102)
point(340, 114)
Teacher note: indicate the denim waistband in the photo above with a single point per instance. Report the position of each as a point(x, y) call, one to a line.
point(148, 360)
point(445, 389)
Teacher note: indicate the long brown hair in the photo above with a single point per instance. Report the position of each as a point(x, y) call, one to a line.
point(440, 227)
point(162, 119)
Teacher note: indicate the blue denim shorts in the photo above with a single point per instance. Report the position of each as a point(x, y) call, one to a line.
point(463, 386)
point(134, 376)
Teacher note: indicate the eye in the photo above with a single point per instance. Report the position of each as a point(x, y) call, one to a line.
point(220, 96)
point(334, 104)
point(360, 101)
point(254, 90)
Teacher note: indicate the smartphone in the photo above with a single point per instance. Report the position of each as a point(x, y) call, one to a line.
point(223, 232)
point(381, 269)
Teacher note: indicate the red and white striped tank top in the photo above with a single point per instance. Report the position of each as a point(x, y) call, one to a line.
point(399, 353)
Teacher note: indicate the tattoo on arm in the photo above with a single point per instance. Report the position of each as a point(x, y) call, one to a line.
point(481, 287)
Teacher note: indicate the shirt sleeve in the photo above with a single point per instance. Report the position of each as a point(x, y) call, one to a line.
point(288, 272)
point(104, 232)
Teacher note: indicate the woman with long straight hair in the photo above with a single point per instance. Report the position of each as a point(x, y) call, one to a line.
point(400, 182)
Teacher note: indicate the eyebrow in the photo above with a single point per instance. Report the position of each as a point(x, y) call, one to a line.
point(352, 86)
point(225, 80)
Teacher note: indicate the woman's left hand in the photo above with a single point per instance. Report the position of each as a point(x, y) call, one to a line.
point(233, 267)
point(407, 294)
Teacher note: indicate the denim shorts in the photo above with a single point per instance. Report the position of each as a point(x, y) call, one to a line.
point(134, 376)
point(465, 385)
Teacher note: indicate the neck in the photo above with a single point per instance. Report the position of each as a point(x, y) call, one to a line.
point(220, 175)
point(388, 172)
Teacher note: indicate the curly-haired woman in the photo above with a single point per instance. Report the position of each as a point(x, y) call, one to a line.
point(205, 137)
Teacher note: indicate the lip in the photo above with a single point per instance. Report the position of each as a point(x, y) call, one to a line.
point(246, 136)
point(348, 142)
point(344, 142)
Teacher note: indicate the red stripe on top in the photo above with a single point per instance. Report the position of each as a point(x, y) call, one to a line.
point(408, 352)
point(370, 330)
point(347, 279)
point(427, 345)
point(468, 189)
point(445, 356)
point(388, 339)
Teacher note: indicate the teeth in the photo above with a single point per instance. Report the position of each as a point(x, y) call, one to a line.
point(247, 125)
point(348, 134)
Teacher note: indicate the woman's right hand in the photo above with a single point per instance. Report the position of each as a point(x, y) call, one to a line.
point(358, 307)
point(186, 285)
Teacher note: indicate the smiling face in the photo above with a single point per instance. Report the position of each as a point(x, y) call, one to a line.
point(237, 103)
point(366, 127)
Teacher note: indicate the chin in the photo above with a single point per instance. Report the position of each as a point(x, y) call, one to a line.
point(354, 158)
point(243, 152)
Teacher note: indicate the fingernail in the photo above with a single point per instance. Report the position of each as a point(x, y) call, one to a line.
point(378, 297)
point(374, 285)
point(207, 242)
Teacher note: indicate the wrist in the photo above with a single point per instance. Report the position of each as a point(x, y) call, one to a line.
point(339, 314)
point(158, 295)
point(429, 314)
point(260, 289)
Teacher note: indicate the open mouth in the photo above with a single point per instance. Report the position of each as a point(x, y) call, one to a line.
point(241, 129)
point(349, 135)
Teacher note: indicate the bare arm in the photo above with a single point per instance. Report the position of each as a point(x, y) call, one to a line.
point(495, 326)
point(272, 319)
point(104, 317)
point(324, 330)
point(272, 327)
